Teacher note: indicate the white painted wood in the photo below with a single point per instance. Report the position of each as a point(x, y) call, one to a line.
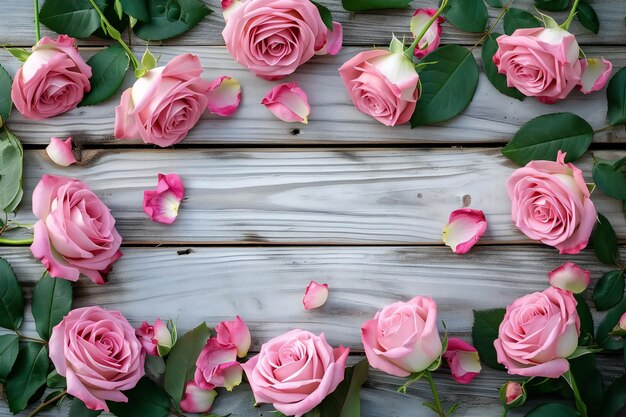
point(339, 196)
point(490, 118)
point(359, 29)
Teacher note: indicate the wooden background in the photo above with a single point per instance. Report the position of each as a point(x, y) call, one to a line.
point(342, 200)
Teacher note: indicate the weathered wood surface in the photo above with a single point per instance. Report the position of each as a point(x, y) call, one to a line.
point(490, 118)
point(359, 29)
point(282, 196)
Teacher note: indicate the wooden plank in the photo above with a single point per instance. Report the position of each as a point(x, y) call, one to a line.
point(491, 117)
point(338, 196)
point(359, 29)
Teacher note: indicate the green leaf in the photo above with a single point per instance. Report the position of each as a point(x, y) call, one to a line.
point(109, 68)
point(588, 17)
point(616, 98)
point(79, 409)
point(604, 241)
point(20, 53)
point(52, 300)
point(495, 3)
point(325, 14)
point(11, 299)
point(611, 178)
point(586, 321)
point(54, 380)
point(519, 19)
point(467, 15)
point(76, 18)
point(614, 398)
point(490, 46)
point(137, 9)
point(11, 168)
point(540, 386)
point(181, 362)
point(589, 381)
point(484, 332)
point(9, 346)
point(449, 82)
point(148, 62)
point(28, 375)
point(609, 290)
point(553, 410)
point(6, 104)
point(606, 326)
point(552, 5)
point(146, 399)
point(117, 5)
point(542, 137)
point(362, 5)
point(169, 18)
point(345, 401)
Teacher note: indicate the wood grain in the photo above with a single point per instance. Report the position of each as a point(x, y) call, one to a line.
point(351, 196)
point(490, 118)
point(359, 29)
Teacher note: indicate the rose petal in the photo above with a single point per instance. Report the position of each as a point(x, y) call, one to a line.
point(315, 295)
point(60, 151)
point(595, 74)
point(622, 322)
point(334, 39)
point(162, 205)
point(288, 102)
point(197, 400)
point(431, 39)
point(464, 228)
point(224, 96)
point(235, 332)
point(570, 277)
point(463, 360)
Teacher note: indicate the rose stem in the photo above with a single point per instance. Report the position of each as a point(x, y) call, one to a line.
point(433, 388)
point(47, 403)
point(117, 36)
point(572, 12)
point(504, 11)
point(409, 52)
point(4, 241)
point(37, 29)
point(504, 412)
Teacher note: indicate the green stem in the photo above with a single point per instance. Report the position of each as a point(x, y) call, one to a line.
point(15, 242)
point(33, 339)
point(116, 35)
point(505, 411)
point(409, 52)
point(572, 13)
point(176, 413)
point(433, 388)
point(37, 28)
point(504, 10)
point(580, 405)
point(603, 129)
point(48, 403)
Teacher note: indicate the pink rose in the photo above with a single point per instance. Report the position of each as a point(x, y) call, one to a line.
point(296, 371)
point(236, 333)
point(431, 39)
point(75, 233)
point(403, 337)
point(540, 62)
point(52, 81)
point(550, 203)
point(97, 352)
point(165, 104)
point(156, 339)
point(382, 84)
point(462, 359)
point(272, 38)
point(538, 333)
point(217, 366)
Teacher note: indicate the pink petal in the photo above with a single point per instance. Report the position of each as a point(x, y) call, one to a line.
point(464, 228)
point(513, 391)
point(315, 295)
point(162, 205)
point(570, 277)
point(622, 322)
point(228, 6)
point(431, 39)
point(334, 39)
point(595, 74)
point(463, 360)
point(288, 102)
point(224, 96)
point(196, 399)
point(235, 332)
point(60, 151)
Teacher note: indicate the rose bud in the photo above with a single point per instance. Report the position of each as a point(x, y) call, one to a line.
point(60, 151)
point(620, 328)
point(217, 366)
point(595, 74)
point(163, 203)
point(224, 96)
point(383, 84)
point(288, 102)
point(539, 331)
point(52, 81)
point(165, 104)
point(462, 359)
point(403, 337)
point(465, 226)
point(157, 340)
point(570, 277)
point(512, 394)
point(235, 332)
point(197, 400)
point(315, 295)
point(431, 39)
point(551, 203)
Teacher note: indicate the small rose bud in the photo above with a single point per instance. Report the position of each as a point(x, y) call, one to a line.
point(595, 74)
point(224, 96)
point(288, 102)
point(620, 328)
point(60, 151)
point(462, 359)
point(465, 226)
point(235, 332)
point(156, 339)
point(197, 400)
point(570, 277)
point(512, 394)
point(315, 295)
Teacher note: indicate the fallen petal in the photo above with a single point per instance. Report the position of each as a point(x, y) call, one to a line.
point(595, 74)
point(60, 151)
point(315, 295)
point(196, 399)
point(224, 96)
point(162, 205)
point(465, 226)
point(288, 102)
point(462, 359)
point(570, 277)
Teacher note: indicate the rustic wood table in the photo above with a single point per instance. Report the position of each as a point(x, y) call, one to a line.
point(342, 200)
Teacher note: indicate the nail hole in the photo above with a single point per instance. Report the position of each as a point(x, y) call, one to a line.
point(295, 132)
